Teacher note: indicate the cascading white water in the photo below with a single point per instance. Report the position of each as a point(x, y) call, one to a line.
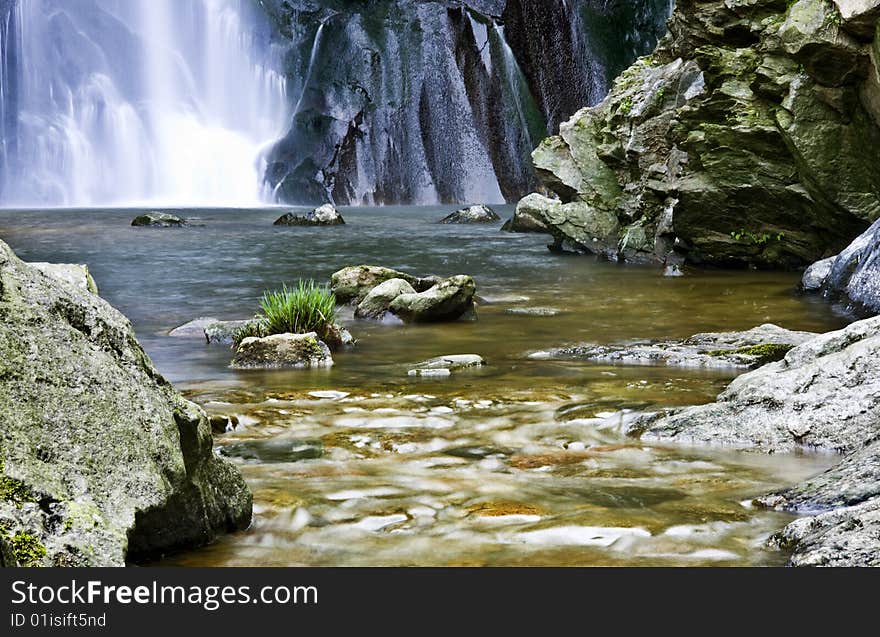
point(124, 102)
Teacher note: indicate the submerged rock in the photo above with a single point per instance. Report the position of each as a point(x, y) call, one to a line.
point(282, 351)
point(103, 462)
point(193, 329)
point(325, 215)
point(159, 220)
point(445, 365)
point(224, 332)
point(723, 350)
point(824, 395)
point(472, 214)
point(352, 284)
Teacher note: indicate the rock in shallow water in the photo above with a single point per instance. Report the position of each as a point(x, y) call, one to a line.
point(352, 284)
point(193, 329)
point(325, 215)
point(378, 300)
point(110, 463)
point(824, 395)
point(158, 220)
point(282, 351)
point(853, 275)
point(472, 214)
point(449, 300)
point(445, 365)
point(722, 350)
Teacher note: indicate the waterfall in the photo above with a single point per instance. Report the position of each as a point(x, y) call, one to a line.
point(124, 102)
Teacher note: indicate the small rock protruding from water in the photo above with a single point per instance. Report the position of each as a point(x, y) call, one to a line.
point(221, 423)
point(816, 275)
point(282, 351)
point(194, 328)
point(381, 293)
point(325, 215)
point(446, 365)
point(158, 220)
point(352, 284)
point(673, 270)
point(472, 214)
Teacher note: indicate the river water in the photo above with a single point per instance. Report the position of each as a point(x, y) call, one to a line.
point(519, 463)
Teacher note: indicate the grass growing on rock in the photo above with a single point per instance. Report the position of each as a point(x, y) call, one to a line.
point(308, 307)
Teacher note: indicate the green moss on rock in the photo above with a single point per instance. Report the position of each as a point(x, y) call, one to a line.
point(763, 353)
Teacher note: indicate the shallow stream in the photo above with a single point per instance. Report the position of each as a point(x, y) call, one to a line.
point(518, 463)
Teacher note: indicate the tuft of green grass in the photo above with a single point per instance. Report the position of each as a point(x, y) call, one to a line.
point(308, 307)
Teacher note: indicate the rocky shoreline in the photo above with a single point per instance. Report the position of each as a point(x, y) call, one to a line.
point(822, 396)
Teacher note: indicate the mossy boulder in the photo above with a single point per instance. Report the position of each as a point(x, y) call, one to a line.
point(747, 138)
point(103, 462)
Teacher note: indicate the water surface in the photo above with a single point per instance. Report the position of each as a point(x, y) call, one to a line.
point(519, 463)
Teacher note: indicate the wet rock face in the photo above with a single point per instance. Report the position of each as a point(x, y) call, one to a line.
point(742, 140)
point(853, 276)
point(397, 101)
point(103, 462)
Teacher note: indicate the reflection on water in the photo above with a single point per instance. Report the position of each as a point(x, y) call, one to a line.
point(520, 462)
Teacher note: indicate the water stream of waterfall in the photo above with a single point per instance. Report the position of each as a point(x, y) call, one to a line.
point(134, 101)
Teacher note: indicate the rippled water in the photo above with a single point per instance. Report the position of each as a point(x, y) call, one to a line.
point(520, 462)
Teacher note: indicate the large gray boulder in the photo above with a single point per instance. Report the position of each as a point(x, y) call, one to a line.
point(103, 462)
point(825, 394)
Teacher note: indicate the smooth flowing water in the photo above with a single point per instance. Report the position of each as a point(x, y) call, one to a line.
point(521, 462)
